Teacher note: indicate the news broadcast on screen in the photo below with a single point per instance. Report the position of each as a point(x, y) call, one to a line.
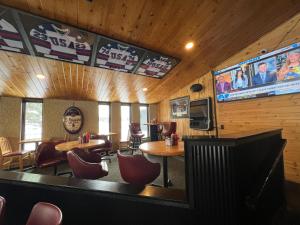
point(274, 73)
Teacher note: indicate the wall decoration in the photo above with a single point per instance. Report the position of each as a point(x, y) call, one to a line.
point(179, 107)
point(156, 65)
point(73, 120)
point(10, 37)
point(37, 36)
point(58, 41)
point(117, 56)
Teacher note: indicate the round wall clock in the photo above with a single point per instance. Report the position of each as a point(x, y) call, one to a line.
point(73, 120)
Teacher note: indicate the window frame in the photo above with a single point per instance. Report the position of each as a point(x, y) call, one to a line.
point(23, 111)
point(109, 105)
point(130, 117)
point(148, 127)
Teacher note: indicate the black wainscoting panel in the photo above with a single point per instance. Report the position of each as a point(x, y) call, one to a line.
point(235, 179)
point(82, 204)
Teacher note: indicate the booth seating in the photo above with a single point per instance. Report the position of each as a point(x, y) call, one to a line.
point(136, 169)
point(136, 135)
point(7, 154)
point(86, 165)
point(46, 214)
point(168, 129)
point(106, 148)
point(2, 209)
point(47, 156)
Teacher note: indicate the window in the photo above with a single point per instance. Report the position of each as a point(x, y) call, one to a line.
point(125, 121)
point(104, 118)
point(32, 121)
point(144, 119)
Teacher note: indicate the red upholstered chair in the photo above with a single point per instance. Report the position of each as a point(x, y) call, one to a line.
point(168, 129)
point(136, 135)
point(136, 169)
point(2, 210)
point(105, 148)
point(44, 213)
point(47, 156)
point(86, 165)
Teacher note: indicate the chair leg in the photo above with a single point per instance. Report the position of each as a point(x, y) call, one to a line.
point(63, 173)
point(21, 163)
point(55, 170)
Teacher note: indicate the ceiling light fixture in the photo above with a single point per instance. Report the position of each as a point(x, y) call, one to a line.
point(145, 89)
point(40, 76)
point(189, 45)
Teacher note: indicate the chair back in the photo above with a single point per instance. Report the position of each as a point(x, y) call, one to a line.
point(44, 213)
point(5, 146)
point(136, 169)
point(83, 169)
point(99, 137)
point(2, 209)
point(46, 152)
point(169, 128)
point(135, 128)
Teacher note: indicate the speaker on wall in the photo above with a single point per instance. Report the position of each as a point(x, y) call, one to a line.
point(196, 87)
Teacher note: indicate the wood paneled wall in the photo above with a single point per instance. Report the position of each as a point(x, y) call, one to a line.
point(273, 112)
point(183, 124)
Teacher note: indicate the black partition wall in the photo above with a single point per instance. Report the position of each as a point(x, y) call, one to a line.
point(231, 180)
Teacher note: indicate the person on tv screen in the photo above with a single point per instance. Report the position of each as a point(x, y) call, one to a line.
point(222, 85)
point(263, 76)
point(291, 69)
point(240, 80)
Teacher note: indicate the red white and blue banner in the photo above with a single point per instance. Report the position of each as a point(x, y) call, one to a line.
point(10, 37)
point(33, 35)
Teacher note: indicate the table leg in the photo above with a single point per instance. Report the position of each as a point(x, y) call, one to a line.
point(167, 182)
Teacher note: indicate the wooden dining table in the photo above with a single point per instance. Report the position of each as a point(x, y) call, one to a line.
point(159, 148)
point(68, 146)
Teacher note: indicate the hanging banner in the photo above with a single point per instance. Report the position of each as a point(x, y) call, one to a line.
point(57, 41)
point(10, 37)
point(156, 65)
point(37, 36)
point(118, 56)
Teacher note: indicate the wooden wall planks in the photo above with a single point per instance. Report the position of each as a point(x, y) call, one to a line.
point(273, 112)
point(183, 124)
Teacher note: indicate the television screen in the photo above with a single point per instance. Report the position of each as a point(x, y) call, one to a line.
point(274, 73)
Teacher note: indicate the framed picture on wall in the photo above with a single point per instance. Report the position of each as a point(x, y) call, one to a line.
point(179, 107)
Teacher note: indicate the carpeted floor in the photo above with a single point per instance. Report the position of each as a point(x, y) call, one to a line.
point(175, 170)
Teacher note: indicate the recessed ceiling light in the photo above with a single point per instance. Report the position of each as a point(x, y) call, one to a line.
point(145, 89)
point(189, 45)
point(40, 76)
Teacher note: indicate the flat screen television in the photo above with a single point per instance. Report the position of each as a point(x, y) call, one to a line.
point(200, 114)
point(271, 74)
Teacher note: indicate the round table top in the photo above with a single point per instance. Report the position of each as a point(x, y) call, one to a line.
point(161, 149)
point(108, 134)
point(67, 146)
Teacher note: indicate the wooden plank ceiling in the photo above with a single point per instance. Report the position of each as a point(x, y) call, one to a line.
point(219, 29)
